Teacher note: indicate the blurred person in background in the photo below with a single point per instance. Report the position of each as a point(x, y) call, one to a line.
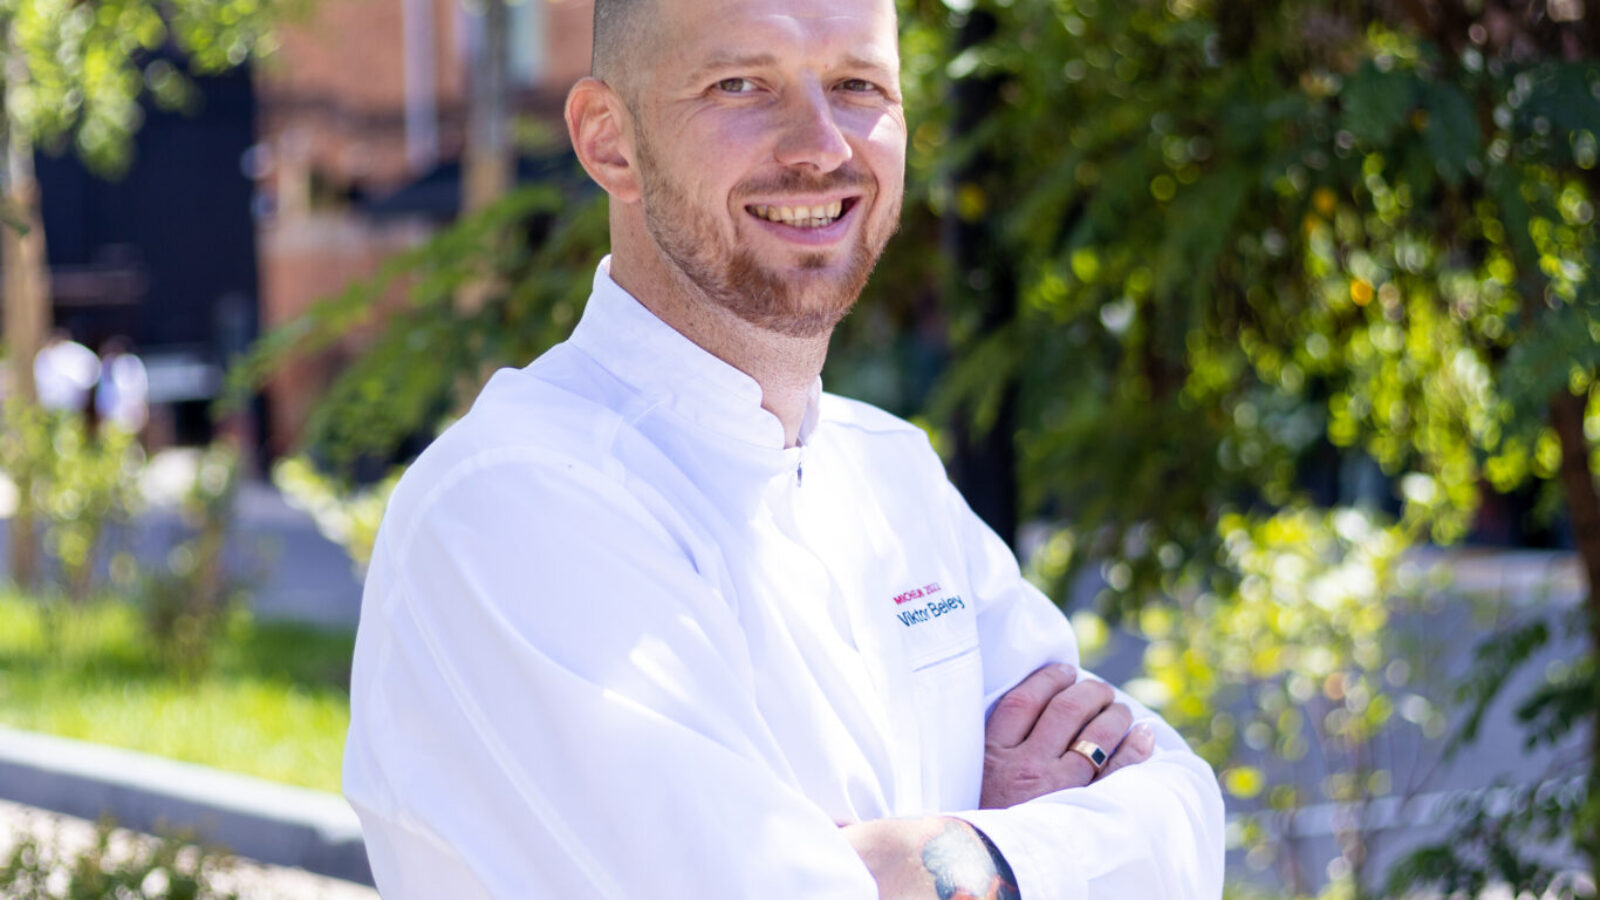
point(65, 373)
point(122, 394)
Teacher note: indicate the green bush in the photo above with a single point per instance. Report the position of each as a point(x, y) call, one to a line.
point(348, 516)
point(81, 483)
point(167, 868)
point(186, 606)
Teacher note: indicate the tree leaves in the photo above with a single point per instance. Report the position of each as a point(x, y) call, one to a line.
point(1376, 103)
point(1495, 659)
point(78, 70)
point(1250, 240)
point(1452, 134)
point(422, 366)
point(1565, 95)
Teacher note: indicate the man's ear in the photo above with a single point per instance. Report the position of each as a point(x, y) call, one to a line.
point(596, 122)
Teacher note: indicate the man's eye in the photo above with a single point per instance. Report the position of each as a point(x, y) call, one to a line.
point(736, 85)
point(858, 85)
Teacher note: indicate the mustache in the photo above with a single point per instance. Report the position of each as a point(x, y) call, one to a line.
point(799, 181)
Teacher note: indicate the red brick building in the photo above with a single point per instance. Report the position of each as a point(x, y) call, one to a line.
point(362, 98)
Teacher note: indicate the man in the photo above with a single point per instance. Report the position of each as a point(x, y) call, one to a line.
point(658, 618)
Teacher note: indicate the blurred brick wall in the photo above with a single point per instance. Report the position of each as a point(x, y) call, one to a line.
point(332, 121)
point(570, 25)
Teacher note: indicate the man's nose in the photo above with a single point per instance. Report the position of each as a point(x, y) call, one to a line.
point(811, 133)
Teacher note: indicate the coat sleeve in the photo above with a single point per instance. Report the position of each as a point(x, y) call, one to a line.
point(1151, 830)
point(548, 700)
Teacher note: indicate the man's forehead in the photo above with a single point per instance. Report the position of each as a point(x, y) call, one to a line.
point(800, 9)
point(696, 37)
point(748, 24)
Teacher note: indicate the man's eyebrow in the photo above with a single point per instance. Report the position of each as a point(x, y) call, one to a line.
point(723, 62)
point(869, 62)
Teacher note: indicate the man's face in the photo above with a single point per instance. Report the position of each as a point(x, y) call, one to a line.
point(771, 151)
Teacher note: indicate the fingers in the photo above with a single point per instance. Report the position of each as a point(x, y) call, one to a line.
point(1135, 748)
point(1028, 739)
point(1072, 712)
point(1015, 713)
point(1104, 731)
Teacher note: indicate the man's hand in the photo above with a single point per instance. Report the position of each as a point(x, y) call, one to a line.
point(933, 858)
point(1026, 743)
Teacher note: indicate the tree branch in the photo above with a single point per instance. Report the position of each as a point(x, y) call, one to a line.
point(1583, 503)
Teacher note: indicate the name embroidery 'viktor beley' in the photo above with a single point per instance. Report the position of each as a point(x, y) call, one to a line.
point(925, 612)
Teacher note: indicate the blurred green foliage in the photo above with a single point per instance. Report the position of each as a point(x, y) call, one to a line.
point(87, 485)
point(423, 367)
point(429, 357)
point(1310, 623)
point(165, 868)
point(186, 605)
point(1244, 231)
point(1491, 846)
point(93, 486)
point(1251, 241)
point(81, 70)
point(347, 515)
point(82, 485)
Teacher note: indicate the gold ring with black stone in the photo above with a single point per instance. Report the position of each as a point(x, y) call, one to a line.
point(1092, 752)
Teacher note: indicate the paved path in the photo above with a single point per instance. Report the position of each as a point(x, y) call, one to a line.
point(293, 571)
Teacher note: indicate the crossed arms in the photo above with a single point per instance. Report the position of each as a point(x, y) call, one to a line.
point(1027, 754)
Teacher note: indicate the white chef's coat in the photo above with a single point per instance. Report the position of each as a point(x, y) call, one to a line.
point(617, 641)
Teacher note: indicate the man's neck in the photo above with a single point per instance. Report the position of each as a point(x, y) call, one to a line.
point(785, 367)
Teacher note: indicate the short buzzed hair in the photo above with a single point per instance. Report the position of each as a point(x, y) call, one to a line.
point(618, 25)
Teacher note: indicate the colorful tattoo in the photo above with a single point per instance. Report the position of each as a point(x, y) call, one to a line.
point(968, 869)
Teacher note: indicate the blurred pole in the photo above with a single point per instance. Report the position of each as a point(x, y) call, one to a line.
point(487, 166)
point(421, 86)
point(487, 169)
point(26, 280)
point(985, 465)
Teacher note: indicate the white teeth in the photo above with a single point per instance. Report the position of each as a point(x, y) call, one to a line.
point(801, 216)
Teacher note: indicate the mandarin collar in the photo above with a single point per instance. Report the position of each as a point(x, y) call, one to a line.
point(653, 358)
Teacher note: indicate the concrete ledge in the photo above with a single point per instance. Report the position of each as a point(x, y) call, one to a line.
point(252, 817)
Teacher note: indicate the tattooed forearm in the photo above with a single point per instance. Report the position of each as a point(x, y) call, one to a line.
point(966, 866)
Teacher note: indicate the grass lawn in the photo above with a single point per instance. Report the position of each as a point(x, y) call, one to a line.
point(275, 703)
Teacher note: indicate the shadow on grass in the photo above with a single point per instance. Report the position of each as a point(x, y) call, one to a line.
point(307, 656)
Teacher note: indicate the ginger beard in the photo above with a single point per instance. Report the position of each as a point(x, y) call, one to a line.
point(803, 304)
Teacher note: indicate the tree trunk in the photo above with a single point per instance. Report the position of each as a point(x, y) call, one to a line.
point(985, 467)
point(1583, 503)
point(27, 303)
point(1567, 414)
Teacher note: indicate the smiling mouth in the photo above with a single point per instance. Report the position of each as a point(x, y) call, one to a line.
point(803, 216)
